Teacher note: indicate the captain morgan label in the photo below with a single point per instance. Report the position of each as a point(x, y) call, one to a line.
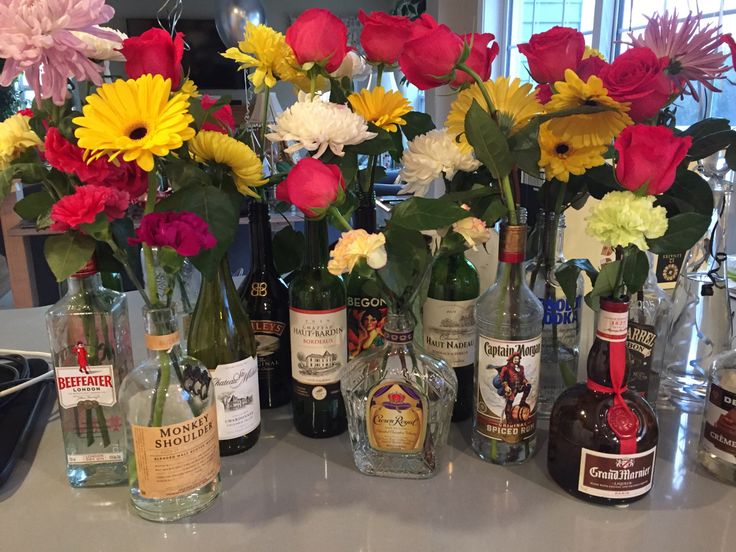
point(719, 425)
point(449, 330)
point(616, 475)
point(508, 388)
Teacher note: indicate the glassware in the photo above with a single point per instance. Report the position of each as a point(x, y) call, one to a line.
point(221, 337)
point(266, 300)
point(509, 318)
point(399, 401)
point(365, 213)
point(603, 436)
point(366, 311)
point(448, 323)
point(89, 334)
point(318, 322)
point(561, 322)
point(171, 420)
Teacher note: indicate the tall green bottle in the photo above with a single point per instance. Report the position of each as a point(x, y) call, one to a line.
point(221, 337)
point(318, 324)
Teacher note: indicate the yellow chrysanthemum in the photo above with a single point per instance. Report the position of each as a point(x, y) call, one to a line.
point(16, 136)
point(190, 89)
point(592, 52)
point(594, 129)
point(383, 109)
point(209, 146)
point(136, 119)
point(515, 104)
point(560, 158)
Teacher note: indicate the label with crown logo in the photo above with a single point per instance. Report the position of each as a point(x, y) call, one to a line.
point(396, 417)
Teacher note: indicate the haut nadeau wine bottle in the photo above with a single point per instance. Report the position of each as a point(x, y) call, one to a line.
point(221, 337)
point(602, 435)
point(317, 320)
point(448, 320)
point(266, 300)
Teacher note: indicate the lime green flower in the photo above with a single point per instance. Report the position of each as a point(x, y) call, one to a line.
point(622, 218)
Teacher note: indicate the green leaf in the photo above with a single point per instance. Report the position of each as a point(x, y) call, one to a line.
point(689, 193)
point(489, 142)
point(567, 276)
point(636, 270)
point(288, 249)
point(468, 195)
point(420, 213)
point(375, 146)
point(67, 253)
point(524, 146)
point(605, 284)
point(494, 212)
point(29, 173)
point(349, 168)
point(99, 229)
point(731, 157)
point(683, 231)
point(599, 181)
point(710, 144)
point(408, 258)
point(170, 260)
point(182, 174)
point(337, 93)
point(34, 205)
point(397, 148)
point(703, 128)
point(417, 123)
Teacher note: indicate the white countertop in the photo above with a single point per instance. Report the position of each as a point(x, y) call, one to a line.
point(298, 494)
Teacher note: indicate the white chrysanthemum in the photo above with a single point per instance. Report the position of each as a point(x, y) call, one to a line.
point(430, 155)
point(315, 125)
point(353, 67)
point(102, 49)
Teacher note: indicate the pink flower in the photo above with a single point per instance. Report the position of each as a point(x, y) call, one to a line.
point(589, 67)
point(544, 93)
point(83, 206)
point(550, 53)
point(37, 39)
point(184, 232)
point(318, 36)
point(479, 60)
point(429, 60)
point(312, 186)
point(224, 116)
point(155, 52)
point(383, 36)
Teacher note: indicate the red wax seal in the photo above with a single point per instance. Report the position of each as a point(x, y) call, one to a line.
point(623, 422)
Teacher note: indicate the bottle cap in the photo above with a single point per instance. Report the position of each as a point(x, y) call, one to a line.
point(512, 243)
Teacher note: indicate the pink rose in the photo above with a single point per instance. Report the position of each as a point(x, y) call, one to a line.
point(544, 93)
point(551, 52)
point(649, 155)
point(223, 116)
point(184, 232)
point(318, 36)
point(637, 76)
point(155, 53)
point(589, 67)
point(83, 206)
point(383, 36)
point(421, 26)
point(312, 186)
point(479, 60)
point(429, 60)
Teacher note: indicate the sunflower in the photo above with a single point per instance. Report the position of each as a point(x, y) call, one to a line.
point(383, 109)
point(560, 157)
point(211, 146)
point(16, 136)
point(136, 119)
point(515, 105)
point(593, 129)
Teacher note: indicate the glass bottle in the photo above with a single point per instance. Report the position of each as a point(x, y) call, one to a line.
point(365, 213)
point(399, 401)
point(221, 337)
point(317, 320)
point(366, 311)
point(561, 322)
point(717, 450)
point(89, 334)
point(171, 421)
point(266, 300)
point(509, 320)
point(649, 319)
point(448, 322)
point(603, 436)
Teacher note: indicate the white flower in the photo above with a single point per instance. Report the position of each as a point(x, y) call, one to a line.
point(315, 125)
point(430, 155)
point(102, 49)
point(473, 230)
point(353, 67)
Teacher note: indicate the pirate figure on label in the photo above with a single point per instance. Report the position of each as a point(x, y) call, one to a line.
point(512, 381)
point(81, 353)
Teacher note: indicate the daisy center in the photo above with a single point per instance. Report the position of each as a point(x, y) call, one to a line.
point(590, 102)
point(562, 149)
point(138, 132)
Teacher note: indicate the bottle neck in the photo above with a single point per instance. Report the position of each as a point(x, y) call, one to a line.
point(219, 290)
point(607, 359)
point(398, 329)
point(84, 283)
point(260, 236)
point(512, 245)
point(161, 331)
point(317, 253)
point(551, 236)
point(365, 214)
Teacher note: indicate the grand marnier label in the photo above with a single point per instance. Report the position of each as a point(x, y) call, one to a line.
point(719, 430)
point(89, 383)
point(449, 330)
point(616, 475)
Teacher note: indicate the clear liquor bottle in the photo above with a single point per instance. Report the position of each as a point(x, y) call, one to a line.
point(509, 319)
point(89, 335)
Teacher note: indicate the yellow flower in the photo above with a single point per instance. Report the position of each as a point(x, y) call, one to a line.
point(16, 136)
point(515, 104)
point(190, 89)
point(560, 157)
point(209, 146)
point(136, 119)
point(355, 245)
point(592, 52)
point(594, 129)
point(383, 109)
point(623, 218)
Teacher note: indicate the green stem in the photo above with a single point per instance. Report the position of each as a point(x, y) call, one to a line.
point(481, 85)
point(264, 122)
point(122, 256)
point(161, 389)
point(150, 274)
point(337, 215)
point(618, 289)
point(370, 172)
point(380, 74)
point(509, 199)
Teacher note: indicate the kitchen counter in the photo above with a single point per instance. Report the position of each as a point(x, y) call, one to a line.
point(294, 493)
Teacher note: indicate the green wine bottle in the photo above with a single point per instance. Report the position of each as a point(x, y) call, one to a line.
point(449, 323)
point(221, 337)
point(367, 311)
point(318, 340)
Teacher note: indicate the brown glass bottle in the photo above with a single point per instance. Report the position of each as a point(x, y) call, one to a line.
point(600, 450)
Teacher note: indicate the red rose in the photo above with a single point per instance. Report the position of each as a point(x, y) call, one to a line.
point(637, 76)
point(421, 26)
point(383, 36)
point(544, 93)
point(479, 60)
point(26, 111)
point(312, 186)
point(728, 40)
point(429, 61)
point(318, 36)
point(649, 155)
point(184, 232)
point(551, 52)
point(224, 116)
point(83, 206)
point(156, 53)
point(589, 67)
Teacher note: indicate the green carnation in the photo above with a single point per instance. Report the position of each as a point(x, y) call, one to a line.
point(622, 218)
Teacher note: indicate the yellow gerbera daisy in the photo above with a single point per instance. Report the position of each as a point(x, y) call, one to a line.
point(515, 105)
point(592, 52)
point(16, 136)
point(134, 118)
point(190, 89)
point(383, 109)
point(209, 146)
point(594, 129)
point(560, 158)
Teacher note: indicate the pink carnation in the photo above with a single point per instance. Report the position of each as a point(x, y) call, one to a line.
point(184, 232)
point(83, 206)
point(223, 117)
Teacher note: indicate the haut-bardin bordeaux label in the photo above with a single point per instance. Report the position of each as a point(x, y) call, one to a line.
point(640, 344)
point(76, 384)
point(396, 417)
point(508, 388)
point(616, 475)
point(449, 330)
point(720, 424)
point(612, 326)
point(238, 401)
